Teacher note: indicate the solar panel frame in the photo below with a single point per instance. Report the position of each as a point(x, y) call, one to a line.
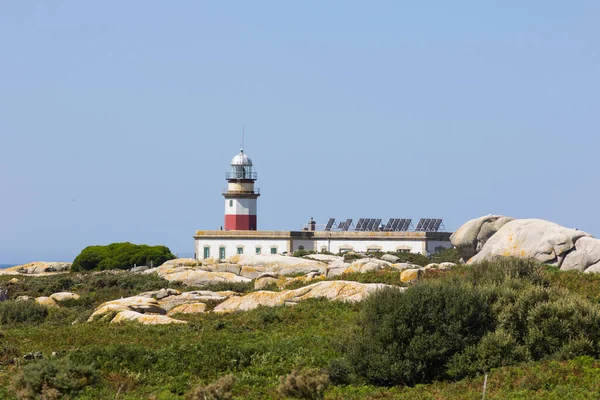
point(407, 223)
point(394, 224)
point(436, 227)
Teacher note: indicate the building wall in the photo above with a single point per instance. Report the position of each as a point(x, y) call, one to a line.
point(231, 245)
point(432, 245)
point(336, 246)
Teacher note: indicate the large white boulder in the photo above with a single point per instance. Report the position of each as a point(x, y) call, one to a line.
point(145, 319)
point(140, 304)
point(584, 256)
point(536, 239)
point(196, 277)
point(333, 290)
point(62, 296)
point(470, 238)
point(277, 264)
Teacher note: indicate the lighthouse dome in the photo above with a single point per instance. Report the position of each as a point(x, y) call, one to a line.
point(241, 160)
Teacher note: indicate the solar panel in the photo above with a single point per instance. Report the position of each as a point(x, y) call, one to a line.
point(436, 227)
point(347, 224)
point(341, 225)
point(388, 226)
point(377, 224)
point(370, 225)
point(420, 224)
point(359, 224)
point(427, 226)
point(398, 224)
point(431, 226)
point(329, 224)
point(407, 223)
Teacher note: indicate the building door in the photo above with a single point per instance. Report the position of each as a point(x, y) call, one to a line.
point(206, 252)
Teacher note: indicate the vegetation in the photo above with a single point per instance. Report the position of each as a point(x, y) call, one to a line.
point(120, 256)
point(532, 328)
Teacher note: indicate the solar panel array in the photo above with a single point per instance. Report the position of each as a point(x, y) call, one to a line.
point(397, 225)
point(428, 225)
point(392, 225)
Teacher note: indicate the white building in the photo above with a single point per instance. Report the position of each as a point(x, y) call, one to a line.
point(241, 237)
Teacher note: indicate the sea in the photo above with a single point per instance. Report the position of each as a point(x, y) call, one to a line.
point(6, 265)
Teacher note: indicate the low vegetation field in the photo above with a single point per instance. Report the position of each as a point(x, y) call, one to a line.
point(531, 328)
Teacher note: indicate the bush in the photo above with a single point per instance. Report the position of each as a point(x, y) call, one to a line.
point(219, 390)
point(27, 312)
point(303, 384)
point(302, 253)
point(120, 256)
point(447, 255)
point(408, 337)
point(53, 379)
point(496, 349)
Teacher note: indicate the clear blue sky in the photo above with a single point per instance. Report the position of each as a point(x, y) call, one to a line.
point(351, 109)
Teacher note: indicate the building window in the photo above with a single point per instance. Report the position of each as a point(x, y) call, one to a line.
point(300, 247)
point(323, 249)
point(206, 252)
point(345, 249)
point(240, 250)
point(274, 250)
point(230, 203)
point(373, 249)
point(258, 250)
point(222, 253)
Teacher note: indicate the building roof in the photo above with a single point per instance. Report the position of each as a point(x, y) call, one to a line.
point(241, 159)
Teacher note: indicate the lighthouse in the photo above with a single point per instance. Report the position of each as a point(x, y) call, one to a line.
point(240, 195)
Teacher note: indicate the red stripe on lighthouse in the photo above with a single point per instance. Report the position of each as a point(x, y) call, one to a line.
point(235, 222)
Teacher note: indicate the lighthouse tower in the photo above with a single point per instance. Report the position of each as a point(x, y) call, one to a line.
point(240, 195)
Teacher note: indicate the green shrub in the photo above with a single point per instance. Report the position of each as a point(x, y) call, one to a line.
point(408, 337)
point(496, 349)
point(554, 324)
point(27, 312)
point(53, 379)
point(218, 390)
point(302, 253)
point(303, 384)
point(447, 255)
point(120, 256)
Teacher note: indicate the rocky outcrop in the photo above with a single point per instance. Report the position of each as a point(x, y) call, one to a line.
point(410, 275)
point(494, 237)
point(46, 301)
point(333, 290)
point(390, 258)
point(584, 257)
point(536, 239)
point(62, 296)
point(38, 268)
point(145, 319)
point(470, 237)
point(189, 308)
point(153, 303)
